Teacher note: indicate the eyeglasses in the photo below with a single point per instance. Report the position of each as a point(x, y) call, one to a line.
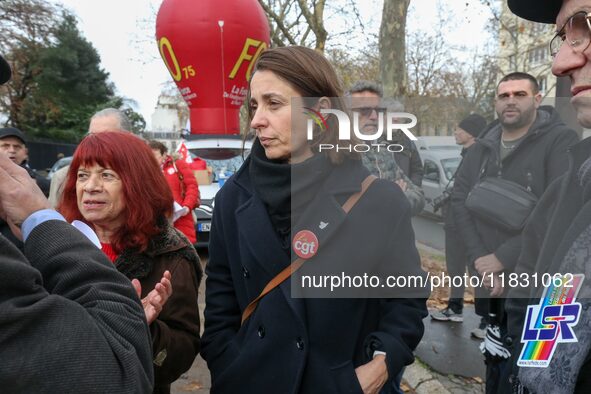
point(576, 32)
point(366, 111)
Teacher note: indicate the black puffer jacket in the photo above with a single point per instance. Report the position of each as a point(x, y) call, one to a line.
point(539, 159)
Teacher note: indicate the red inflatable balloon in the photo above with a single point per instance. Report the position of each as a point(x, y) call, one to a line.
point(209, 47)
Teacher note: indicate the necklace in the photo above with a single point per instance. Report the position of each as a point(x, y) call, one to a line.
point(507, 147)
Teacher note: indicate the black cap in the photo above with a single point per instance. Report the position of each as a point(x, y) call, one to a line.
point(543, 11)
point(12, 132)
point(5, 72)
point(473, 124)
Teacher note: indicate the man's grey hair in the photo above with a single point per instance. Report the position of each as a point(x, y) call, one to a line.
point(366, 86)
point(124, 123)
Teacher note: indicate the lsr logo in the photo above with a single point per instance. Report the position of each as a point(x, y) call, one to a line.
point(552, 327)
point(392, 120)
point(556, 320)
point(305, 244)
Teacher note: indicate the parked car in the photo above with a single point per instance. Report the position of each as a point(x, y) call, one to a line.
point(224, 154)
point(428, 143)
point(58, 165)
point(439, 165)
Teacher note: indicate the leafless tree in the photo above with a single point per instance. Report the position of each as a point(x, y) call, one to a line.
point(393, 47)
point(25, 27)
point(302, 22)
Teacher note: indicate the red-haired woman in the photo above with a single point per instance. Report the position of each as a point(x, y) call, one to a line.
point(183, 185)
point(115, 186)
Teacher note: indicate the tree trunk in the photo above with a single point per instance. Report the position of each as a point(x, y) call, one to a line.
point(393, 47)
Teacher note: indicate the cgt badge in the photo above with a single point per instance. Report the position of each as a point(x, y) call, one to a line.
point(305, 244)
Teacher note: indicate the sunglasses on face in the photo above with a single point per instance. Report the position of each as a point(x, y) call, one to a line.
point(367, 111)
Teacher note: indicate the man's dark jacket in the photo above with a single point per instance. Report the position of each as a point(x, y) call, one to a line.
point(69, 321)
point(562, 214)
point(409, 159)
point(307, 345)
point(449, 217)
point(540, 158)
point(42, 181)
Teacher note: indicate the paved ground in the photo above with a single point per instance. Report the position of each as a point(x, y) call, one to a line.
point(418, 378)
point(197, 379)
point(448, 348)
point(447, 359)
point(429, 231)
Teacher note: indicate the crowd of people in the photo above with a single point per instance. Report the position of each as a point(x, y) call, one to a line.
point(100, 283)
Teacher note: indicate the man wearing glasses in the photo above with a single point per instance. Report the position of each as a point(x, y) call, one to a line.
point(526, 145)
point(557, 238)
point(403, 168)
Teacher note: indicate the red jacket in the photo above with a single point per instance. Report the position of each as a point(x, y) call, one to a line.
point(191, 193)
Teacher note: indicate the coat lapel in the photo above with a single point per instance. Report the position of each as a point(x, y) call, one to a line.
point(573, 212)
point(264, 243)
point(323, 216)
point(266, 248)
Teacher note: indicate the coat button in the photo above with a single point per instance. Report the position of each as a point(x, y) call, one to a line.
point(299, 343)
point(245, 272)
point(261, 332)
point(508, 341)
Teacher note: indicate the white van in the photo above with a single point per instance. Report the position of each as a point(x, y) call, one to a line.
point(222, 153)
point(428, 143)
point(439, 166)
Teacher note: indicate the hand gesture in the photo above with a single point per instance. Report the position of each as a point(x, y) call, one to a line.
point(19, 194)
point(488, 263)
point(155, 300)
point(402, 183)
point(494, 284)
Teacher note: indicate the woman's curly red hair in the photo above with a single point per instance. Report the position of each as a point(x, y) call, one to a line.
point(148, 199)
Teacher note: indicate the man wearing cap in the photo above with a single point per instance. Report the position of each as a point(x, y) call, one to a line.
point(70, 322)
point(557, 237)
point(455, 255)
point(12, 142)
point(527, 146)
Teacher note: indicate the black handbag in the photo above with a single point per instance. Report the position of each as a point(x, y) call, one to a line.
point(501, 203)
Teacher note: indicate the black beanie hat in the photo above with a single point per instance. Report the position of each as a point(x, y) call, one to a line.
point(473, 124)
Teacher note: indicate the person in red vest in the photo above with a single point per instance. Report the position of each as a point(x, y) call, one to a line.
point(183, 184)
